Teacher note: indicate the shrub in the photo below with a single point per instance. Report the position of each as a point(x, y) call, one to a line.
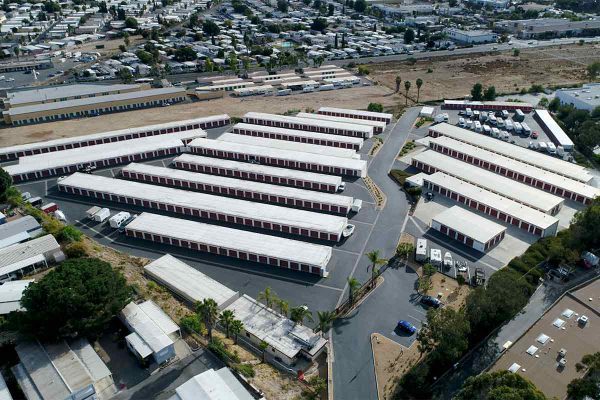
point(363, 70)
point(460, 279)
point(245, 369)
point(76, 250)
point(375, 107)
point(69, 234)
point(218, 347)
point(191, 323)
point(414, 191)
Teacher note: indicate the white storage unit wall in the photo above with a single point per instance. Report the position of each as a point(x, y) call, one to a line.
point(378, 126)
point(356, 114)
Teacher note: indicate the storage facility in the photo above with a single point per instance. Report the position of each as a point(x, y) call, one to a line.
point(553, 130)
point(509, 150)
point(253, 90)
point(516, 170)
point(24, 258)
point(213, 385)
point(99, 156)
point(259, 173)
point(356, 114)
point(10, 296)
point(378, 126)
point(431, 161)
point(293, 135)
point(207, 206)
point(254, 191)
point(243, 245)
point(280, 158)
point(487, 105)
point(501, 208)
point(287, 145)
point(468, 228)
point(303, 124)
point(186, 282)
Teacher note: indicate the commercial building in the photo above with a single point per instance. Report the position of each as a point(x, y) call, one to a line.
point(19, 230)
point(225, 87)
point(516, 170)
point(553, 130)
point(186, 282)
point(280, 158)
point(286, 340)
point(259, 173)
point(62, 370)
point(23, 258)
point(241, 212)
point(315, 138)
point(544, 28)
point(254, 191)
point(519, 153)
point(378, 126)
point(303, 124)
point(243, 245)
point(431, 161)
point(287, 145)
point(501, 208)
point(356, 114)
point(472, 36)
point(10, 296)
point(468, 228)
point(99, 156)
point(487, 105)
point(92, 106)
point(14, 152)
point(212, 385)
point(586, 97)
point(152, 331)
point(42, 63)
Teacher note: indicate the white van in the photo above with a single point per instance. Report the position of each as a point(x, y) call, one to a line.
point(487, 129)
point(477, 126)
point(551, 148)
point(461, 122)
point(509, 125)
point(543, 146)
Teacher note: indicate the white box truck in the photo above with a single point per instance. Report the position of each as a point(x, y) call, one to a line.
point(477, 126)
point(526, 129)
point(509, 125)
point(518, 128)
point(495, 132)
point(469, 112)
point(551, 148)
point(118, 219)
point(487, 129)
point(421, 250)
point(92, 211)
point(543, 146)
point(102, 215)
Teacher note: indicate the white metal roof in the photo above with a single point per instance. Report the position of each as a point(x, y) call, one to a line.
point(146, 327)
point(507, 206)
point(470, 224)
point(139, 345)
point(527, 156)
point(10, 296)
point(212, 385)
point(224, 86)
point(298, 156)
point(53, 93)
point(356, 112)
point(187, 281)
point(10, 256)
point(506, 187)
point(519, 166)
point(260, 169)
point(275, 190)
point(235, 207)
point(234, 239)
point(561, 137)
point(308, 82)
point(160, 318)
point(298, 133)
point(288, 145)
point(367, 122)
point(316, 123)
point(489, 103)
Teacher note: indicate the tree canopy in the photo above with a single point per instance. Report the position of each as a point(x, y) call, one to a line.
point(79, 297)
point(131, 23)
point(5, 183)
point(477, 92)
point(500, 385)
point(375, 107)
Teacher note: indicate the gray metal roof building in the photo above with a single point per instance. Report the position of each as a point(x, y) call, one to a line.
point(356, 114)
point(553, 130)
point(10, 296)
point(19, 230)
point(212, 385)
point(59, 92)
point(23, 256)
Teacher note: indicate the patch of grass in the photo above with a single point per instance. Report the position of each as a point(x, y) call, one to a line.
point(400, 176)
point(422, 121)
point(245, 369)
point(408, 147)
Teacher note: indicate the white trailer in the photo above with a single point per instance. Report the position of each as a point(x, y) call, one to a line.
point(477, 126)
point(551, 148)
point(543, 146)
point(518, 128)
point(421, 250)
point(101, 215)
point(487, 129)
point(118, 219)
point(509, 125)
point(92, 211)
point(526, 129)
point(435, 257)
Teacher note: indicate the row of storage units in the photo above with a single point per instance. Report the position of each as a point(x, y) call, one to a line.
point(207, 206)
point(356, 114)
point(517, 170)
point(100, 156)
point(293, 135)
point(501, 208)
point(330, 127)
point(509, 150)
point(14, 152)
point(247, 246)
point(487, 105)
point(259, 173)
point(280, 158)
point(254, 191)
point(378, 126)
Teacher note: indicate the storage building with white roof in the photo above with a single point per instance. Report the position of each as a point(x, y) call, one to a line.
point(378, 126)
point(243, 245)
point(258, 173)
point(356, 114)
point(487, 105)
point(10, 295)
point(553, 130)
point(212, 385)
point(23, 258)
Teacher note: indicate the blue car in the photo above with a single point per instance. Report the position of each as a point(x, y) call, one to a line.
point(406, 326)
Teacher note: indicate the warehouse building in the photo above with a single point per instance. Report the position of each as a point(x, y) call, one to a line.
point(586, 97)
point(14, 152)
point(206, 206)
point(153, 333)
point(243, 245)
point(303, 124)
point(315, 138)
point(99, 156)
point(516, 170)
point(468, 228)
point(24, 258)
point(286, 145)
point(253, 90)
point(378, 126)
point(10, 296)
point(225, 87)
point(487, 105)
point(259, 173)
point(186, 282)
point(431, 161)
point(501, 208)
point(212, 385)
point(254, 191)
point(280, 158)
point(93, 106)
point(553, 130)
point(519, 153)
point(356, 114)
point(19, 230)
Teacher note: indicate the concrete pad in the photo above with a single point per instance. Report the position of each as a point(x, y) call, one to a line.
point(567, 212)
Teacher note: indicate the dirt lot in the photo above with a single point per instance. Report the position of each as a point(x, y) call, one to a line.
point(358, 97)
point(453, 77)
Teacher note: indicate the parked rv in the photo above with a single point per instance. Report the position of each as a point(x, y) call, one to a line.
point(421, 250)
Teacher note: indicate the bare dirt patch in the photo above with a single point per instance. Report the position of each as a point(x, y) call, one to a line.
point(452, 294)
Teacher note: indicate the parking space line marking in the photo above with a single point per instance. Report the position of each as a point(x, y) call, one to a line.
point(413, 317)
point(346, 251)
point(419, 311)
point(45, 188)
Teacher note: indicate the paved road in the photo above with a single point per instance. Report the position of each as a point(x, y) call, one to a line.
point(354, 376)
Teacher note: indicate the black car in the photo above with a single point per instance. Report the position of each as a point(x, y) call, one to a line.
point(431, 301)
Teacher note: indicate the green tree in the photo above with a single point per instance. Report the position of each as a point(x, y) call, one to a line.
point(126, 39)
point(284, 306)
point(404, 250)
point(330, 11)
point(375, 107)
point(226, 319)
point(317, 387)
point(300, 313)
point(325, 320)
point(131, 23)
point(477, 92)
point(419, 83)
point(445, 335)
point(77, 298)
point(145, 57)
point(236, 328)
point(208, 310)
point(407, 86)
point(376, 260)
point(593, 70)
point(268, 296)
point(424, 284)
point(210, 29)
point(490, 93)
point(409, 36)
point(5, 183)
point(398, 82)
point(185, 53)
point(319, 24)
point(263, 346)
point(583, 388)
point(516, 52)
point(498, 385)
point(353, 286)
point(125, 75)
point(282, 6)
point(586, 226)
point(360, 6)
point(429, 270)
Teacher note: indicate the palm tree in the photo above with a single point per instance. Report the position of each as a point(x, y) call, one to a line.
point(407, 88)
point(325, 320)
point(226, 319)
point(263, 347)
point(398, 82)
point(284, 307)
point(419, 84)
point(268, 296)
point(299, 314)
point(236, 327)
point(353, 285)
point(375, 260)
point(208, 310)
